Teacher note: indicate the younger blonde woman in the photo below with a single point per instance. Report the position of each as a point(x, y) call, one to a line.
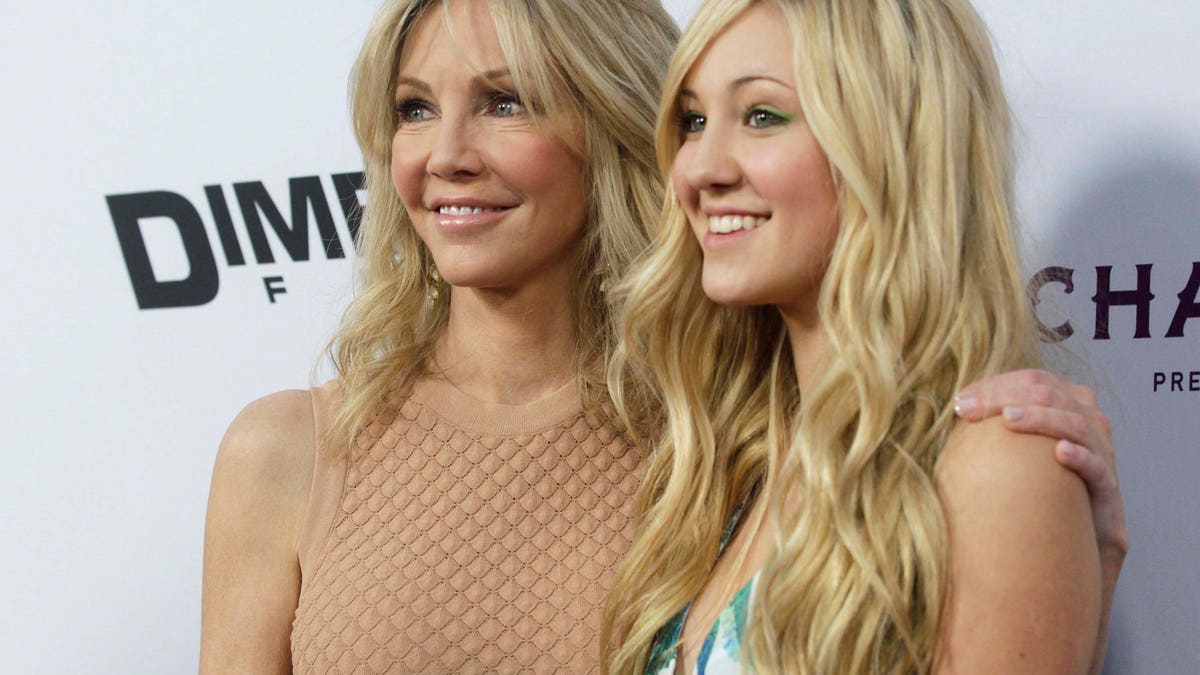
point(835, 261)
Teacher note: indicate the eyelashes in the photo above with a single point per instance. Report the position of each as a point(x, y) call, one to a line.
point(762, 117)
point(690, 122)
point(500, 104)
point(412, 110)
point(756, 117)
point(504, 104)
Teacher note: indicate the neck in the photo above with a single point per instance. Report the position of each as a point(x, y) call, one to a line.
point(808, 343)
point(807, 340)
point(511, 346)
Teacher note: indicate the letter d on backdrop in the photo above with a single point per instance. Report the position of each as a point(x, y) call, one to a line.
point(201, 284)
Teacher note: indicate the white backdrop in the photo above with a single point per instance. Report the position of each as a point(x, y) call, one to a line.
point(111, 414)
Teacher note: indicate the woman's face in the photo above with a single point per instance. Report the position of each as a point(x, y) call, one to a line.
point(499, 202)
point(752, 179)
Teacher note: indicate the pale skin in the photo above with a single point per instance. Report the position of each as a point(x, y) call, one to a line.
point(1025, 591)
point(1033, 401)
point(510, 336)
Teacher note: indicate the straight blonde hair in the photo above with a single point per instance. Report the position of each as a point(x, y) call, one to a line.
point(923, 295)
point(598, 62)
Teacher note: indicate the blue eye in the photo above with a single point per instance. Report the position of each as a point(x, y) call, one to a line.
point(691, 122)
point(761, 118)
point(413, 110)
point(503, 104)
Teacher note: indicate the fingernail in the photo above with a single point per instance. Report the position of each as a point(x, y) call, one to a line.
point(1068, 450)
point(965, 405)
point(1013, 413)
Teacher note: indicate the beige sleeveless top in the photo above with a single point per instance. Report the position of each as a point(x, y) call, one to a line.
point(463, 537)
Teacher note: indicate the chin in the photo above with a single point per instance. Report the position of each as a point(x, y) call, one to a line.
point(474, 276)
point(724, 292)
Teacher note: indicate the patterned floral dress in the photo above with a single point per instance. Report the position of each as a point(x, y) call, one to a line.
point(721, 652)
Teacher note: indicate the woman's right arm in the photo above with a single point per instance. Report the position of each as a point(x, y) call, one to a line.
point(1023, 590)
point(256, 507)
point(1049, 405)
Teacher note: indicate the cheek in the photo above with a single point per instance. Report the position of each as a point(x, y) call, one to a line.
point(798, 185)
point(408, 170)
point(538, 167)
point(550, 182)
point(687, 196)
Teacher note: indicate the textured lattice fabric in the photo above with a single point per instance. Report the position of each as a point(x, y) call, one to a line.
point(461, 551)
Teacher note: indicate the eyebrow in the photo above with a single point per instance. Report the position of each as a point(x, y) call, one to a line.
point(743, 81)
point(484, 77)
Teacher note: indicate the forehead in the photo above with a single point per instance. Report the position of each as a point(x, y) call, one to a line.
point(755, 44)
point(453, 35)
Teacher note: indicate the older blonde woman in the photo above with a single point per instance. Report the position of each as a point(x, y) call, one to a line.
point(839, 236)
point(458, 499)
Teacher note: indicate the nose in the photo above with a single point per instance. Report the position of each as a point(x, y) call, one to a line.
point(712, 165)
point(454, 155)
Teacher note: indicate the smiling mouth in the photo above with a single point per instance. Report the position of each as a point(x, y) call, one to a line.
point(469, 210)
point(727, 224)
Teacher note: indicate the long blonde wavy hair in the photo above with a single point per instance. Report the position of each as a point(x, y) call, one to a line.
point(598, 62)
point(923, 295)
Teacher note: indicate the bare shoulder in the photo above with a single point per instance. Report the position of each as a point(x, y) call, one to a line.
point(996, 484)
point(264, 469)
point(1024, 590)
point(271, 443)
point(985, 459)
point(256, 507)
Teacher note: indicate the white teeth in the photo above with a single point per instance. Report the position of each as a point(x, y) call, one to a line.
point(727, 224)
point(463, 210)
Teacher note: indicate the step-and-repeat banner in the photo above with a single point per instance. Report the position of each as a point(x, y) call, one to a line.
point(178, 186)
